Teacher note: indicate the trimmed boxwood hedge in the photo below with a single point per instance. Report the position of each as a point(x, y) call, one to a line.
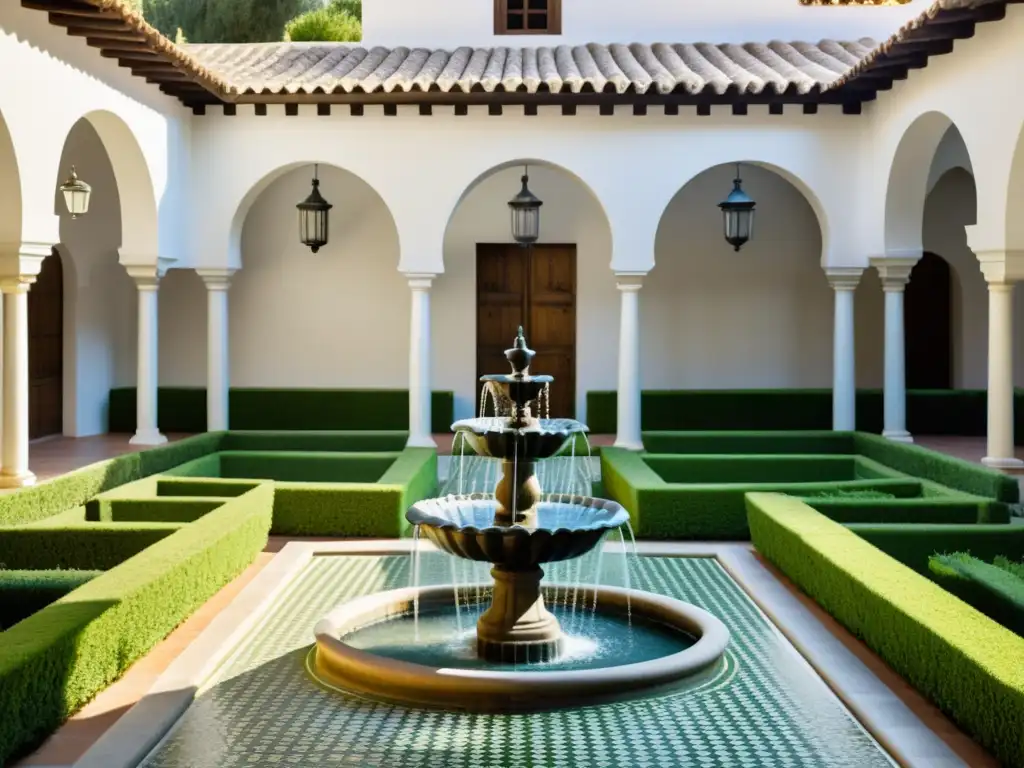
point(716, 510)
point(76, 488)
point(54, 661)
point(912, 545)
point(357, 509)
point(22, 593)
point(183, 409)
point(968, 665)
point(929, 412)
point(86, 546)
point(995, 592)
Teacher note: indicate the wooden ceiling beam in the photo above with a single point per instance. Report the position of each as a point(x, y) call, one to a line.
point(72, 7)
point(88, 22)
point(107, 38)
point(135, 45)
point(939, 32)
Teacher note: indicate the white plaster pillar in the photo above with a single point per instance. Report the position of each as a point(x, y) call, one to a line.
point(895, 274)
point(628, 430)
point(1000, 446)
point(419, 362)
point(844, 282)
point(217, 281)
point(15, 472)
point(147, 280)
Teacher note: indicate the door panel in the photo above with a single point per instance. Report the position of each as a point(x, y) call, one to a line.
point(46, 350)
point(535, 288)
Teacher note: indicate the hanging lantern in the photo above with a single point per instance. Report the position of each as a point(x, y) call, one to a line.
point(525, 209)
point(76, 195)
point(313, 217)
point(738, 213)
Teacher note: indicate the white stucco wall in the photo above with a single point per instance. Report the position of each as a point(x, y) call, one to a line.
point(471, 22)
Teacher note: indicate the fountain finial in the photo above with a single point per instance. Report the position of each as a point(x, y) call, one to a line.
point(520, 355)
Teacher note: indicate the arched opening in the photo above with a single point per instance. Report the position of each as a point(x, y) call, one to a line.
point(98, 297)
point(10, 189)
point(560, 289)
point(928, 324)
point(761, 318)
point(353, 328)
point(46, 350)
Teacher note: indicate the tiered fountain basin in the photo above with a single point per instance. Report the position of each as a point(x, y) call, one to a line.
point(365, 648)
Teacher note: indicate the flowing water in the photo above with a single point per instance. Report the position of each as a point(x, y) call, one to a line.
point(604, 640)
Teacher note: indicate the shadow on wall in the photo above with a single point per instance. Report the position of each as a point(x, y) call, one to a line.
point(713, 318)
point(99, 296)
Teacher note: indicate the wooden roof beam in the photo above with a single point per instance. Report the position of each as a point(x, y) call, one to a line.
point(939, 32)
point(70, 7)
point(87, 22)
point(984, 13)
point(132, 45)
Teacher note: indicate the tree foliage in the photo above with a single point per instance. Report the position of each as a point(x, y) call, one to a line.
point(339, 22)
point(224, 21)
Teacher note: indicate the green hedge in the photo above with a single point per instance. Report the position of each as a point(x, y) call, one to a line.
point(75, 488)
point(929, 412)
point(56, 660)
point(993, 591)
point(912, 545)
point(183, 409)
point(749, 442)
point(337, 440)
point(22, 593)
point(664, 510)
point(226, 488)
point(89, 546)
point(968, 665)
point(753, 469)
point(157, 510)
point(357, 509)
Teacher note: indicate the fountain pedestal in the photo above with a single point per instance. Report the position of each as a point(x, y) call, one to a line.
point(518, 627)
point(517, 494)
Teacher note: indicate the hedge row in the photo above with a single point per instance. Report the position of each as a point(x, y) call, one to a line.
point(357, 509)
point(912, 545)
point(87, 546)
point(75, 488)
point(995, 592)
point(22, 593)
point(183, 409)
point(54, 661)
point(709, 508)
point(929, 412)
point(909, 459)
point(968, 665)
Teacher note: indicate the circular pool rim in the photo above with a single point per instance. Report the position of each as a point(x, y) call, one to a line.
point(488, 690)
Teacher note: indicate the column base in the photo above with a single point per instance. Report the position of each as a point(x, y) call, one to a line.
point(421, 441)
point(1003, 463)
point(629, 445)
point(17, 479)
point(898, 435)
point(148, 437)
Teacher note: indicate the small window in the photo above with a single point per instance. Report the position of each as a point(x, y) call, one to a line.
point(527, 17)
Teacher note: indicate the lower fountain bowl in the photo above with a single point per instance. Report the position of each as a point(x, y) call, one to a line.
point(339, 665)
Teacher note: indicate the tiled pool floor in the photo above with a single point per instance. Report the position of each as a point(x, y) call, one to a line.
point(764, 707)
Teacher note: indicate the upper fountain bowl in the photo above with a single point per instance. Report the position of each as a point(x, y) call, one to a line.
point(496, 436)
point(567, 526)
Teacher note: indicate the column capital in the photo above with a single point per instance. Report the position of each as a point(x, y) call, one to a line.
point(1001, 267)
point(19, 284)
point(420, 281)
point(216, 278)
point(844, 278)
point(894, 271)
point(629, 281)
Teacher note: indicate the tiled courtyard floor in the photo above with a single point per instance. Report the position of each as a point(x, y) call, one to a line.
point(53, 457)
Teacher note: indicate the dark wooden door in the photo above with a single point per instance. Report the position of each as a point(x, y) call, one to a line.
point(928, 325)
point(46, 350)
point(536, 288)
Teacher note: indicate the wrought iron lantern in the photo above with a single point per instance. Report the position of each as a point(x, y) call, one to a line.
point(525, 208)
point(313, 215)
point(76, 195)
point(738, 214)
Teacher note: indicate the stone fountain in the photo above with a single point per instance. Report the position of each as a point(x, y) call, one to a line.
point(517, 530)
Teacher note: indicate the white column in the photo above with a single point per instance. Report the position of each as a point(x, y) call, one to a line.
point(895, 274)
point(1000, 451)
point(147, 280)
point(217, 281)
point(628, 431)
point(844, 282)
point(419, 363)
point(15, 472)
